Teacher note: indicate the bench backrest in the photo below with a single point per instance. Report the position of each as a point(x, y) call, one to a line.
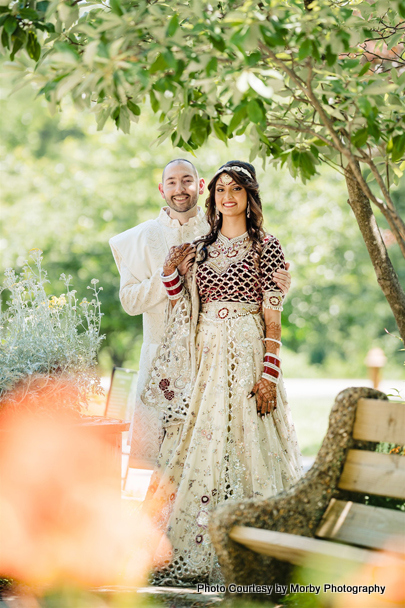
point(117, 398)
point(371, 473)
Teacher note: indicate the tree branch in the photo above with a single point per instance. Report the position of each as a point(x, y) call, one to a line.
point(301, 129)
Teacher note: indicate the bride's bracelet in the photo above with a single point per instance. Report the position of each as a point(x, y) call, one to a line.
point(271, 367)
point(173, 285)
point(273, 340)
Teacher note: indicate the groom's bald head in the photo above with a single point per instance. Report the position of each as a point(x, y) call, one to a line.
point(179, 161)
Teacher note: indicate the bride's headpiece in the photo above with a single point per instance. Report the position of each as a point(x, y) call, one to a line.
point(234, 168)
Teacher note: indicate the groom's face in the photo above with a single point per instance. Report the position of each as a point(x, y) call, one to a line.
point(181, 187)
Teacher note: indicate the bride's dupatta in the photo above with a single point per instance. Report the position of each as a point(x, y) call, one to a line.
point(171, 375)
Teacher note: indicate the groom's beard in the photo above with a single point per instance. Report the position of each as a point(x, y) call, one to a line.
point(188, 204)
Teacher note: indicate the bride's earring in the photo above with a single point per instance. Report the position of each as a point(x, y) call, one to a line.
point(248, 209)
point(217, 214)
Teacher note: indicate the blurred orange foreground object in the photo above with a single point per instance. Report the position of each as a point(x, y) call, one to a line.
point(61, 518)
point(386, 569)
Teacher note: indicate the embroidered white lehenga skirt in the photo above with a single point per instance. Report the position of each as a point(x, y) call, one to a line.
point(223, 450)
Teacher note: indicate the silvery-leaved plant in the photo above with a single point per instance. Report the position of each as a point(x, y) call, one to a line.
point(48, 343)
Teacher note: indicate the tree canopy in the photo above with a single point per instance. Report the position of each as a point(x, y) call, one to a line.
point(309, 83)
point(311, 86)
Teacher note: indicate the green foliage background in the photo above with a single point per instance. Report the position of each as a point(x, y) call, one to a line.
point(67, 188)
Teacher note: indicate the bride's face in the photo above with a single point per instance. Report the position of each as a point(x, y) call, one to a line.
point(230, 198)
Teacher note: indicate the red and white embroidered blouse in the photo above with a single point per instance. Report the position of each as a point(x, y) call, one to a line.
point(229, 274)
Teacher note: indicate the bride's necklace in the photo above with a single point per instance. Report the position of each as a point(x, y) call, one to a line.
point(231, 247)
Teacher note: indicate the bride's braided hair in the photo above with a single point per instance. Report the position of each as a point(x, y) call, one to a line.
point(254, 222)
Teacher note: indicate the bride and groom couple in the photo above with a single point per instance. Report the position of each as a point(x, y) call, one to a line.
point(211, 414)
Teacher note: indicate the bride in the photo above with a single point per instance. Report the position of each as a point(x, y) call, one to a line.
point(216, 380)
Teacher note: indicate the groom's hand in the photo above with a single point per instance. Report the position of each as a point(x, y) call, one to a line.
point(177, 255)
point(282, 278)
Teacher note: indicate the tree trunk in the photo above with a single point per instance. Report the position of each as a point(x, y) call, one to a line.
point(386, 276)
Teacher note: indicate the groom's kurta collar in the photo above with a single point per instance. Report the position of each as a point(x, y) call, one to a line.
point(164, 218)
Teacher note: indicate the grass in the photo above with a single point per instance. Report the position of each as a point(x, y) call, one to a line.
point(310, 416)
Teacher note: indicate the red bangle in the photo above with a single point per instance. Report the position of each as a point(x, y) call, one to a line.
point(273, 360)
point(271, 372)
point(174, 292)
point(171, 283)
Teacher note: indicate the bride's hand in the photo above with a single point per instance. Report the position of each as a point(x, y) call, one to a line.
point(187, 263)
point(282, 278)
point(266, 396)
point(177, 255)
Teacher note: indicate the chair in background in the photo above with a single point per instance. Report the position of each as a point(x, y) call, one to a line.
point(117, 398)
point(117, 406)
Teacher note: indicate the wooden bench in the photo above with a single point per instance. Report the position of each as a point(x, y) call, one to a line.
point(321, 519)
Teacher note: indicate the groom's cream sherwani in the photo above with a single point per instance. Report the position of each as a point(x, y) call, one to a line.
point(139, 254)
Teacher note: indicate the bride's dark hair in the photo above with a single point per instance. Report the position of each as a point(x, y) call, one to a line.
point(254, 223)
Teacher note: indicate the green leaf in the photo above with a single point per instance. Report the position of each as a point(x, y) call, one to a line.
point(315, 51)
point(319, 142)
point(272, 39)
point(359, 138)
point(124, 120)
point(2, 19)
point(330, 56)
point(154, 102)
point(4, 38)
point(170, 59)
point(211, 66)
point(158, 65)
point(398, 147)
point(217, 42)
point(401, 8)
point(18, 44)
point(200, 128)
point(45, 27)
point(305, 162)
point(255, 112)
point(253, 58)
point(135, 109)
point(102, 117)
point(173, 25)
point(33, 46)
point(28, 13)
point(42, 6)
point(365, 106)
point(237, 118)
point(115, 115)
point(378, 87)
point(116, 7)
point(349, 64)
point(364, 69)
point(220, 131)
point(305, 49)
point(10, 25)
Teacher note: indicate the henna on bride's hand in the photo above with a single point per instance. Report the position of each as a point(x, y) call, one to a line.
point(266, 396)
point(175, 256)
point(186, 264)
point(273, 330)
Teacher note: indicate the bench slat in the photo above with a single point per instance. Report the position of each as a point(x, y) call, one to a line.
point(374, 473)
point(296, 549)
point(380, 421)
point(363, 525)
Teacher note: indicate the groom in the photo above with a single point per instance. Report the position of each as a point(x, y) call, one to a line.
point(139, 254)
